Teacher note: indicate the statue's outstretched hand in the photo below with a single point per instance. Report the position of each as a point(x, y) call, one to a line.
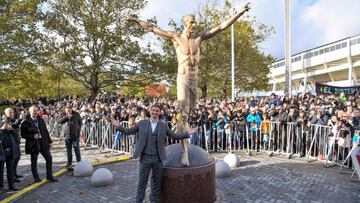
point(247, 7)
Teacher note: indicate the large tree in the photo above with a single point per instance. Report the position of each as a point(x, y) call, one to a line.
point(89, 41)
point(215, 63)
point(18, 36)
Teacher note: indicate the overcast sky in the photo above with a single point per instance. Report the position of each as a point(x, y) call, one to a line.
point(314, 22)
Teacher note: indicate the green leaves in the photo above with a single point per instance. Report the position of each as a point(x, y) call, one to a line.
point(94, 45)
point(17, 33)
point(90, 47)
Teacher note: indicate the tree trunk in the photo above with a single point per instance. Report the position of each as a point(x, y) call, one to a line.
point(94, 82)
point(94, 92)
point(203, 90)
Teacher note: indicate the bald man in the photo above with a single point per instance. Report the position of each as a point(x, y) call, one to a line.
point(38, 140)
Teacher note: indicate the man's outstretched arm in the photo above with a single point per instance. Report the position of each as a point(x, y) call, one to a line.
point(206, 34)
point(152, 28)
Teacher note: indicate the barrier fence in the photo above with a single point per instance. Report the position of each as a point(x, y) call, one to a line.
point(292, 139)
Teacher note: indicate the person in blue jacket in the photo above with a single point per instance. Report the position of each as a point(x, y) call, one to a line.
point(220, 122)
point(253, 120)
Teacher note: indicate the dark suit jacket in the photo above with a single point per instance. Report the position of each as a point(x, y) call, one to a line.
point(29, 129)
point(142, 128)
point(14, 148)
point(74, 125)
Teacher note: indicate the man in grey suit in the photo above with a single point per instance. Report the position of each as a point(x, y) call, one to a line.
point(150, 147)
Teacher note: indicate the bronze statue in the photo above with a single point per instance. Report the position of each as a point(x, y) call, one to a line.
point(187, 46)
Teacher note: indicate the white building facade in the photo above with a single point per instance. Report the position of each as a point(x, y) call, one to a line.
point(337, 63)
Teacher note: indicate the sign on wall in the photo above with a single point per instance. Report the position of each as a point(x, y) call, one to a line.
point(323, 89)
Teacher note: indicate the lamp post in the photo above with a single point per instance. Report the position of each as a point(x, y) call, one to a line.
point(287, 89)
point(232, 58)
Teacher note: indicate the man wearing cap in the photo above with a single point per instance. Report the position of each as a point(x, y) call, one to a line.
point(7, 155)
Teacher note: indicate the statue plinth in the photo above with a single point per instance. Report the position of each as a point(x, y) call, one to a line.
point(194, 183)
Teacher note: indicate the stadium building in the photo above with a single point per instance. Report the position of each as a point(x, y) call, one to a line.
point(337, 63)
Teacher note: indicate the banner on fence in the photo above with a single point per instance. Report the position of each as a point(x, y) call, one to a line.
point(329, 89)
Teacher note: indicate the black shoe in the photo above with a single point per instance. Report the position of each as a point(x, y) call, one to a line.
point(37, 180)
point(13, 188)
point(18, 176)
point(69, 167)
point(52, 180)
point(16, 180)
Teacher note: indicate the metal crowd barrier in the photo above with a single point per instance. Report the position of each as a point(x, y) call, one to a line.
point(309, 141)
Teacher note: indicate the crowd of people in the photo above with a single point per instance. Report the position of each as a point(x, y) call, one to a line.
point(340, 112)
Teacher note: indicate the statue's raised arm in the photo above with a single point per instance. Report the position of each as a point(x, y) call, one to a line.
point(206, 34)
point(151, 27)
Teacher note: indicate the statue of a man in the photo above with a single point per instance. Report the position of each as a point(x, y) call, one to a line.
point(187, 46)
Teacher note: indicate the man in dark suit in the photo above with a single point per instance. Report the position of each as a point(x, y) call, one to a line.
point(10, 116)
point(8, 153)
point(38, 140)
point(150, 147)
point(71, 121)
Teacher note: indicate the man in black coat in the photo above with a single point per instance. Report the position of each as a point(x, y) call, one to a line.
point(15, 124)
point(71, 126)
point(38, 140)
point(8, 153)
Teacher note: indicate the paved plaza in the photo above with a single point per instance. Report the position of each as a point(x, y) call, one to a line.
point(58, 153)
point(258, 179)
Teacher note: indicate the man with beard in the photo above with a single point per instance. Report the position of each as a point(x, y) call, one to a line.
point(150, 147)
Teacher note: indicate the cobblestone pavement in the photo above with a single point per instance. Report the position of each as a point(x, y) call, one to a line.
point(58, 153)
point(258, 179)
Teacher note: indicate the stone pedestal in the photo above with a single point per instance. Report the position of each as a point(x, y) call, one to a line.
point(195, 183)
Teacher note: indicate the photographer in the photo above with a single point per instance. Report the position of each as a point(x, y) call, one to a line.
point(220, 123)
point(345, 135)
point(321, 117)
point(273, 112)
point(71, 128)
point(302, 131)
point(240, 127)
point(293, 133)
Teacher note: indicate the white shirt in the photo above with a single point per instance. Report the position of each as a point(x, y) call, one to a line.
point(153, 124)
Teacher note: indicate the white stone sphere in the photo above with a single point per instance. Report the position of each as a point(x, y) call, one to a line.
point(222, 169)
point(232, 160)
point(83, 168)
point(102, 177)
